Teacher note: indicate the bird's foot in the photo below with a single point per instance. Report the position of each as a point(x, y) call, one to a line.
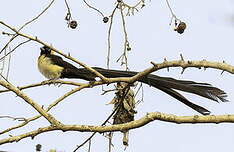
point(45, 82)
point(91, 84)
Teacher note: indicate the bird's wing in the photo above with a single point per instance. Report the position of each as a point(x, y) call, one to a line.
point(60, 62)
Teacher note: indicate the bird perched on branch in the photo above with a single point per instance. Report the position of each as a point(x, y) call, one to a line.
point(54, 67)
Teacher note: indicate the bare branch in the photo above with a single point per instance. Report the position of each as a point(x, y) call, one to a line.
point(43, 11)
point(15, 35)
point(132, 8)
point(197, 64)
point(127, 126)
point(50, 106)
point(14, 49)
point(49, 117)
point(46, 83)
point(93, 8)
point(8, 68)
point(173, 16)
point(109, 34)
point(68, 11)
point(14, 118)
point(125, 40)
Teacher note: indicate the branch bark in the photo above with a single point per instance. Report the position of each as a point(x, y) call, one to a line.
point(19, 93)
point(149, 117)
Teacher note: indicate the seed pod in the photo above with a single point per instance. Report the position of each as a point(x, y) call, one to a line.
point(181, 27)
point(129, 48)
point(105, 19)
point(38, 147)
point(73, 24)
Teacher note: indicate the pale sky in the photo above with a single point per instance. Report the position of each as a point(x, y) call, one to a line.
point(209, 35)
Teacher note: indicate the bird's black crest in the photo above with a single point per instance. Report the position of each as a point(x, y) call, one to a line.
point(45, 50)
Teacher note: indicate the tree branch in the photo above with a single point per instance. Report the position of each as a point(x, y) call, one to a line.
point(49, 117)
point(149, 117)
point(14, 36)
point(197, 64)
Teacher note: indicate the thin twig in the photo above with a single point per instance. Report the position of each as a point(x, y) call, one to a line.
point(110, 141)
point(4, 78)
point(13, 37)
point(109, 34)
point(172, 13)
point(142, 94)
point(3, 64)
point(14, 118)
point(90, 137)
point(94, 8)
point(43, 11)
point(14, 49)
point(134, 6)
point(68, 17)
point(89, 146)
point(170, 9)
point(68, 8)
point(125, 39)
point(106, 91)
point(8, 68)
point(46, 83)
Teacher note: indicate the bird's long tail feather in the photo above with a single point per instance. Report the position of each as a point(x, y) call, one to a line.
point(165, 84)
point(169, 85)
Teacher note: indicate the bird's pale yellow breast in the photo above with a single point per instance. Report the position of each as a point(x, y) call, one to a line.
point(49, 70)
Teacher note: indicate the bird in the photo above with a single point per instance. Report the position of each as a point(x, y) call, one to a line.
point(53, 67)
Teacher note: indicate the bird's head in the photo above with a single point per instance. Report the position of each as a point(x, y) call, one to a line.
point(46, 50)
